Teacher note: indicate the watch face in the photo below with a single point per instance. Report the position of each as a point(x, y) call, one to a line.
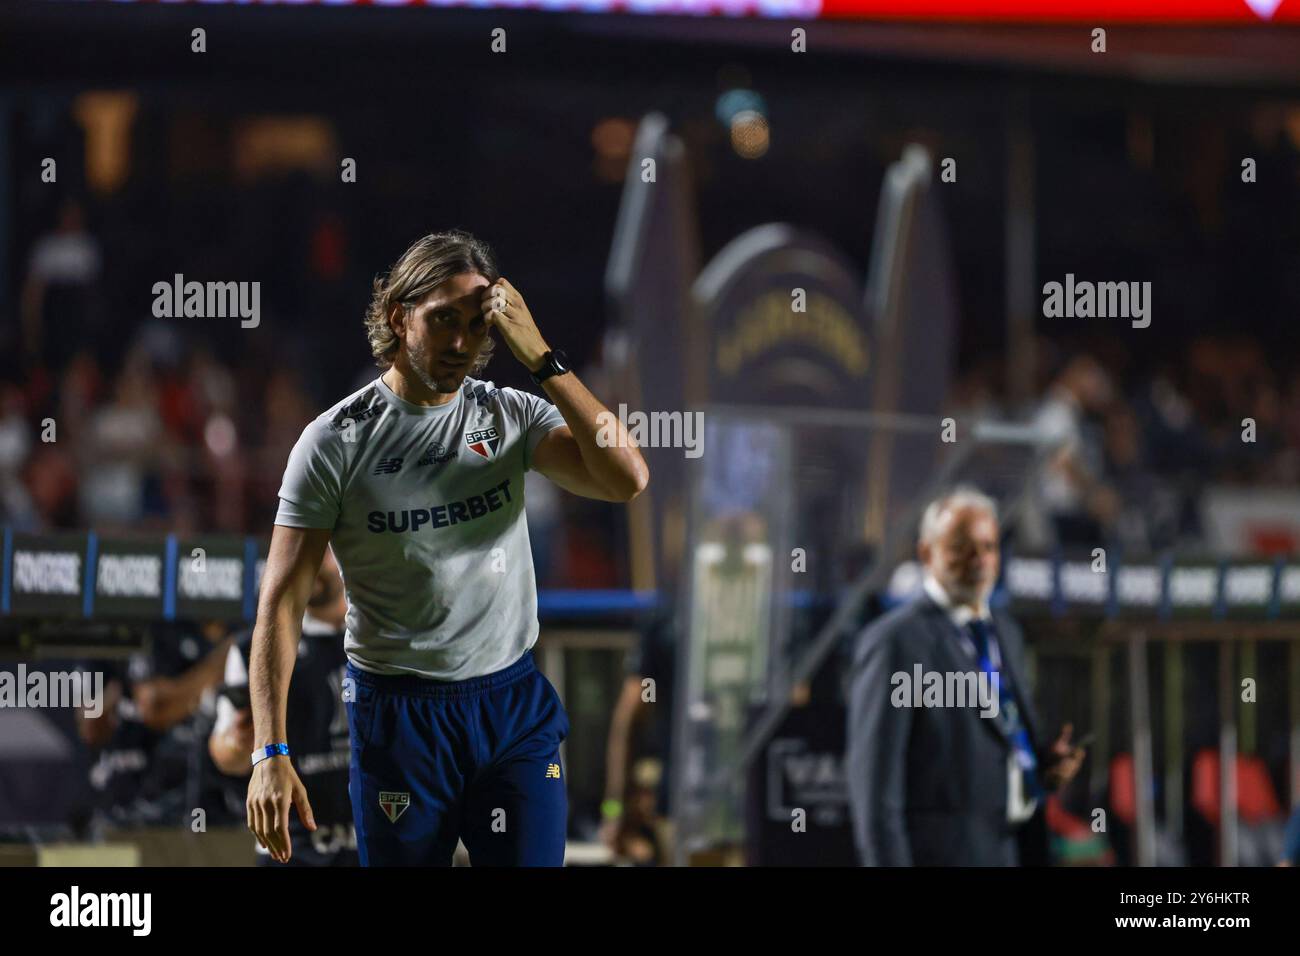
point(560, 361)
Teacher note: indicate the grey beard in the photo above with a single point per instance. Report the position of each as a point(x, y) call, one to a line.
point(969, 595)
point(419, 363)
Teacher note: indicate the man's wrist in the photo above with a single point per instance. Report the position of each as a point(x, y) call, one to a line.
point(553, 363)
point(269, 751)
point(537, 359)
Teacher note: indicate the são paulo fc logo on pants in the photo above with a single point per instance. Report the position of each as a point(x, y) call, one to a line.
point(483, 441)
point(394, 803)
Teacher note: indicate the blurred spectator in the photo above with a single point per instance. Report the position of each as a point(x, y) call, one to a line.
point(1072, 492)
point(190, 432)
point(1140, 521)
point(635, 806)
point(52, 478)
point(60, 299)
point(15, 447)
point(120, 450)
point(142, 743)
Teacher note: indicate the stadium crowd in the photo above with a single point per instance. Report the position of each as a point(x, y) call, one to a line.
point(158, 427)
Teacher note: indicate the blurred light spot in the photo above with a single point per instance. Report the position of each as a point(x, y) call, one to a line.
point(106, 117)
point(219, 435)
point(612, 139)
point(749, 134)
point(736, 101)
point(1292, 124)
point(273, 145)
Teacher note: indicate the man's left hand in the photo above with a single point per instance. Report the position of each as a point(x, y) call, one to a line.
point(504, 308)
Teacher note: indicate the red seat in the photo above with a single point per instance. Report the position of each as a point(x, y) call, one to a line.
point(1123, 788)
point(1064, 823)
point(1256, 799)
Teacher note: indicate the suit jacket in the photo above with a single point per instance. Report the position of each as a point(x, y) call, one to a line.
point(928, 786)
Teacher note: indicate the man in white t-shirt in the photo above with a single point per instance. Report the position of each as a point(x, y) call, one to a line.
point(416, 480)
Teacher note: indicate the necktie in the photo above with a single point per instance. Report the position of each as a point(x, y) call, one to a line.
point(981, 633)
point(979, 629)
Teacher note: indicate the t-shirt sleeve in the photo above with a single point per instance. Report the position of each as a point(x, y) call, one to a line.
point(311, 492)
point(537, 416)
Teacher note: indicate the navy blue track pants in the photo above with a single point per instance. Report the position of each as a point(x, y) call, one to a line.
point(477, 759)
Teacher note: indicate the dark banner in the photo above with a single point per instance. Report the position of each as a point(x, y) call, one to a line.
point(45, 574)
point(130, 579)
point(86, 576)
point(213, 576)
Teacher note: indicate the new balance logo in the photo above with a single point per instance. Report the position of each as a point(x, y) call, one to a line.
point(552, 771)
point(387, 466)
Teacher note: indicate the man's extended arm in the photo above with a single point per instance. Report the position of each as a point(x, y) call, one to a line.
point(295, 557)
point(230, 746)
point(164, 701)
point(231, 739)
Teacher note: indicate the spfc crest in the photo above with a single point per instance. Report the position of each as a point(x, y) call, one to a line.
point(393, 803)
point(483, 441)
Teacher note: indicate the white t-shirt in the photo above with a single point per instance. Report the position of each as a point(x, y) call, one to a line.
point(426, 506)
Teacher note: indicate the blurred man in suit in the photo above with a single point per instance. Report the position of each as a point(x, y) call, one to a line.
point(943, 784)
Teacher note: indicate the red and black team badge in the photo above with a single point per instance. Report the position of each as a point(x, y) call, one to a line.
point(484, 441)
point(393, 804)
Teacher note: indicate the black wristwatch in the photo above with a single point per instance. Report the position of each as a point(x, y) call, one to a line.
point(554, 362)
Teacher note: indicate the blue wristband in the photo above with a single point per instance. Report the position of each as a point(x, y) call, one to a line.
point(270, 750)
